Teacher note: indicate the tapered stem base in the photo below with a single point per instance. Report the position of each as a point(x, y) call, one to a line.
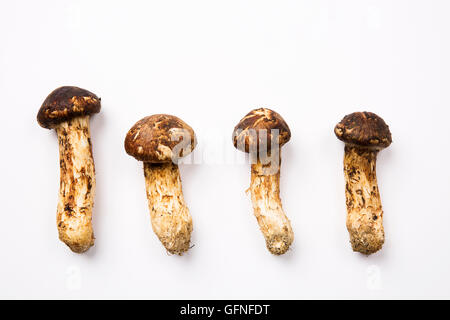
point(268, 210)
point(77, 184)
point(364, 210)
point(171, 220)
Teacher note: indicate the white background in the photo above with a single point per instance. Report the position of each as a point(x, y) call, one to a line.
point(210, 62)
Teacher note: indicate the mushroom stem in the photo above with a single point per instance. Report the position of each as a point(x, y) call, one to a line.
point(364, 210)
point(268, 210)
point(77, 184)
point(171, 220)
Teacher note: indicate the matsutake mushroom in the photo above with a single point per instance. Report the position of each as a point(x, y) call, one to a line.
point(67, 110)
point(364, 134)
point(262, 133)
point(160, 141)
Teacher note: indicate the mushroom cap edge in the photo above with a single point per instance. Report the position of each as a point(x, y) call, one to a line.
point(260, 119)
point(65, 103)
point(364, 129)
point(160, 138)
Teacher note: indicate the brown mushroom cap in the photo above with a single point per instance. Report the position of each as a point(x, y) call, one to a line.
point(66, 103)
point(247, 133)
point(153, 139)
point(364, 129)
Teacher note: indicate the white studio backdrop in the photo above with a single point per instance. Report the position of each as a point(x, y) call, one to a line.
point(210, 62)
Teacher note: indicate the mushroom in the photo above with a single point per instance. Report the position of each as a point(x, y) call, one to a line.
point(262, 133)
point(67, 110)
point(159, 141)
point(364, 134)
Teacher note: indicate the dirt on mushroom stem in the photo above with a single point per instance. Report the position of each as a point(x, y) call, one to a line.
point(170, 217)
point(77, 184)
point(267, 206)
point(364, 210)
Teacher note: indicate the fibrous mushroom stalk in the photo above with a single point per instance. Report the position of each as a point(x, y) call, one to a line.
point(170, 217)
point(77, 184)
point(364, 210)
point(268, 210)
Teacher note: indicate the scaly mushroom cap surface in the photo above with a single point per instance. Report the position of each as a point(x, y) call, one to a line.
point(246, 135)
point(66, 103)
point(364, 129)
point(160, 138)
